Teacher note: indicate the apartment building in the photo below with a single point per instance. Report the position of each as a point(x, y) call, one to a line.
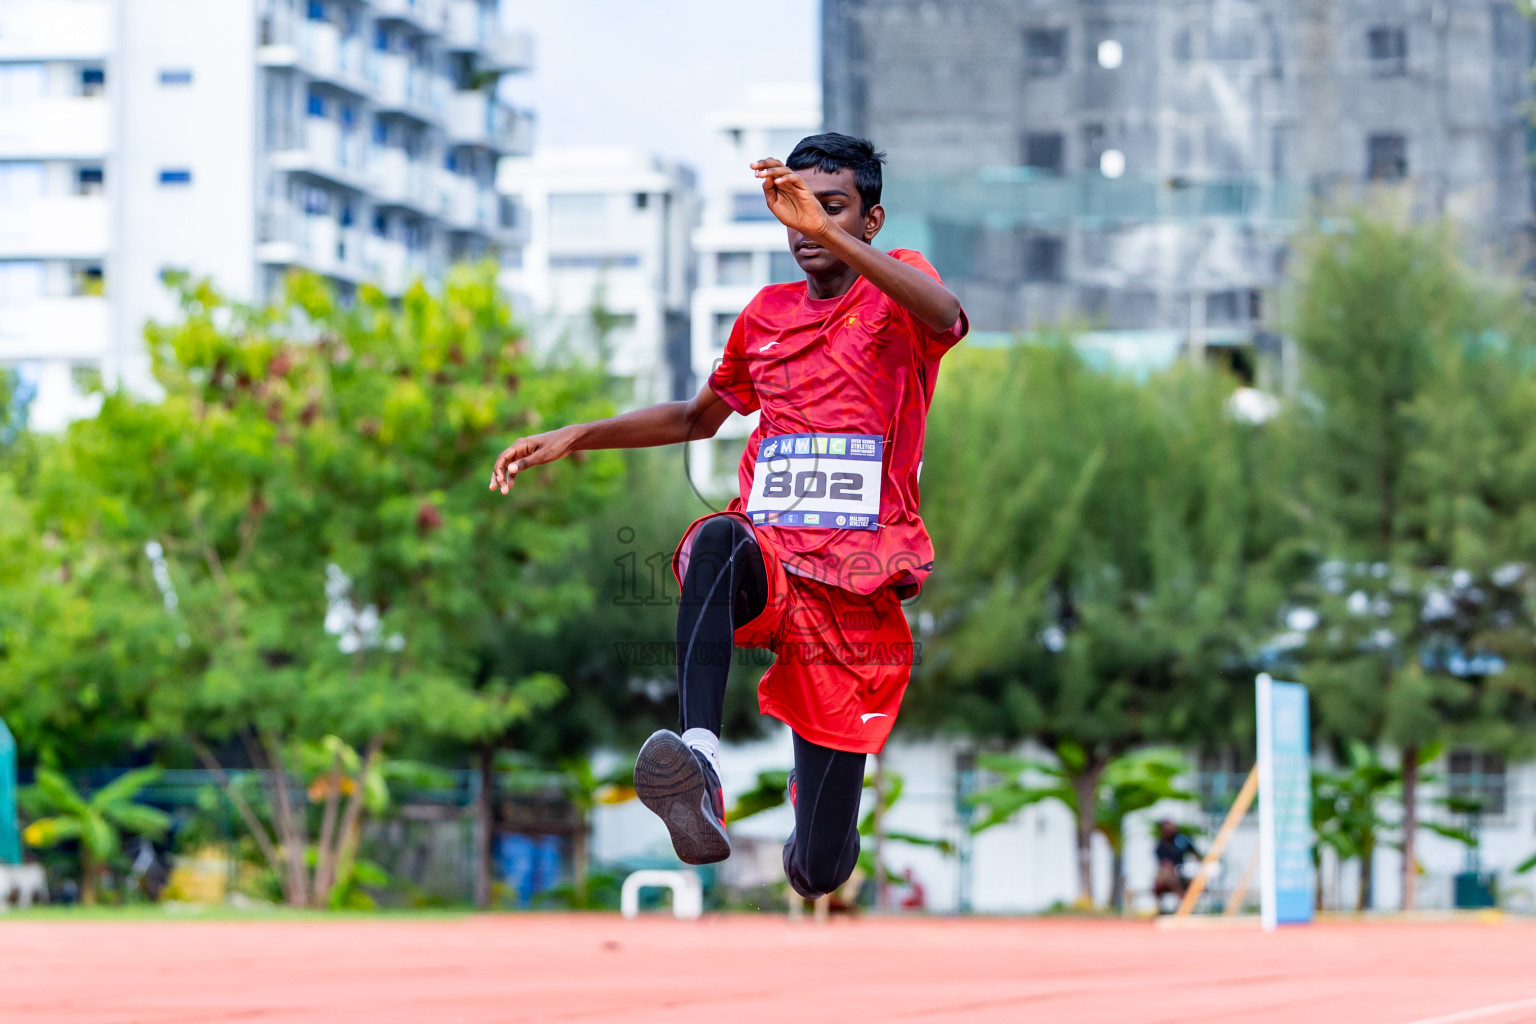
point(739, 244)
point(234, 140)
point(606, 266)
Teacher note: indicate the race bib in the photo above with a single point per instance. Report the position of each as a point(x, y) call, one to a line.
point(830, 481)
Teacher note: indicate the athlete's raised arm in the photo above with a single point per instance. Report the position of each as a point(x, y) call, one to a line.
point(791, 200)
point(666, 423)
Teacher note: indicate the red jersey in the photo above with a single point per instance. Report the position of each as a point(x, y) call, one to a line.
point(860, 365)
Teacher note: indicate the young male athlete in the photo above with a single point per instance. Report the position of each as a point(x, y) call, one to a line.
point(815, 556)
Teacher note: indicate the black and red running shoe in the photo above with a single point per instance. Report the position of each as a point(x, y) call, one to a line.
point(676, 782)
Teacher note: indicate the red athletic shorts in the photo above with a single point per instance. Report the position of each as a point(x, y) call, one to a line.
point(844, 659)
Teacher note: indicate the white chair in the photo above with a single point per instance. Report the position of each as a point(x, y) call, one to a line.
point(22, 885)
point(687, 892)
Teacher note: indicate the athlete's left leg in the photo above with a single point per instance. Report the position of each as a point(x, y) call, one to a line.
point(825, 789)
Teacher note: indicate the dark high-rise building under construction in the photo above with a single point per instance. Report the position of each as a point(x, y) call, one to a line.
point(1141, 167)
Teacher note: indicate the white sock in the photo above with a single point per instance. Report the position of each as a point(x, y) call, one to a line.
point(706, 743)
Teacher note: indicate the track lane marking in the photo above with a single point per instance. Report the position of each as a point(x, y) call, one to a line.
point(1480, 1012)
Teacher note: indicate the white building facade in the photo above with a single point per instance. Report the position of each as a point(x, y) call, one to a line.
point(233, 140)
point(739, 244)
point(607, 242)
point(1029, 864)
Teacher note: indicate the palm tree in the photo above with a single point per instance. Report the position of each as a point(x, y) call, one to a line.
point(96, 822)
point(1129, 783)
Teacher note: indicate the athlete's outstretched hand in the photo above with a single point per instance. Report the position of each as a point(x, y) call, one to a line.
point(529, 451)
point(790, 199)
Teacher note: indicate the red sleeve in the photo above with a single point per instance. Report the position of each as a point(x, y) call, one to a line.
point(933, 343)
point(732, 377)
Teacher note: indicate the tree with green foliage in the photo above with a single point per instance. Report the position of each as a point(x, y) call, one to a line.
point(1346, 813)
point(1131, 782)
point(96, 823)
point(1110, 593)
point(322, 554)
point(1410, 475)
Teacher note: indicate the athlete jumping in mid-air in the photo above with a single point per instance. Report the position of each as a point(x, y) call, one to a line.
point(813, 559)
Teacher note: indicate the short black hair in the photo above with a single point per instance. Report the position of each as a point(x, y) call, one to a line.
point(831, 152)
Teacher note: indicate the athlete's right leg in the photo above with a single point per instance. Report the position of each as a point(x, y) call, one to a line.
point(678, 777)
point(725, 586)
point(824, 847)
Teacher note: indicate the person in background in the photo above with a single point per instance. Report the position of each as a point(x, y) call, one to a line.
point(1173, 849)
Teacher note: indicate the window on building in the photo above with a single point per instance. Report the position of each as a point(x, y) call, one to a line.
point(316, 10)
point(1183, 46)
point(1045, 152)
point(1045, 51)
point(175, 76)
point(175, 176)
point(348, 117)
point(315, 201)
point(89, 181)
point(93, 81)
point(1044, 258)
point(85, 377)
point(1386, 157)
point(594, 260)
point(723, 322)
point(381, 39)
point(22, 182)
point(1477, 782)
point(1226, 307)
point(380, 223)
point(782, 268)
point(22, 83)
point(747, 207)
point(21, 281)
point(87, 279)
point(1388, 49)
point(316, 104)
point(380, 131)
point(642, 200)
point(577, 214)
point(1228, 42)
point(1094, 145)
point(733, 268)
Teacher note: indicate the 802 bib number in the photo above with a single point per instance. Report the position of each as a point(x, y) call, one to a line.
point(813, 483)
point(829, 481)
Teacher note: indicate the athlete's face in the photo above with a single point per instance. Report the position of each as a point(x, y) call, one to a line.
point(839, 196)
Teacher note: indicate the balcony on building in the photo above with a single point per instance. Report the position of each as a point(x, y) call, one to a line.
point(327, 149)
point(55, 227)
point(399, 180)
point(56, 127)
point(510, 52)
point(407, 87)
point(64, 326)
point(424, 15)
point(318, 238)
point(329, 53)
point(469, 25)
point(44, 30)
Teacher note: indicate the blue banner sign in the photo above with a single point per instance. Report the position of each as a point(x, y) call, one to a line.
point(1285, 804)
point(10, 838)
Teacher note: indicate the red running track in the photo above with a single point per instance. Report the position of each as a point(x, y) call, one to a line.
point(744, 970)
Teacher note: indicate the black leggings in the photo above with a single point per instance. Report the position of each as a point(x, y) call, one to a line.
point(725, 586)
